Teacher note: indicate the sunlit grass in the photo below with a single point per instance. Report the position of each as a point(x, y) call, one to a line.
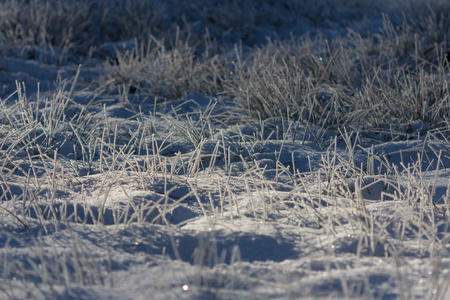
point(189, 144)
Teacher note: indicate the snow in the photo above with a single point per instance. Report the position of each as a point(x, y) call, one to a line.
point(169, 236)
point(255, 210)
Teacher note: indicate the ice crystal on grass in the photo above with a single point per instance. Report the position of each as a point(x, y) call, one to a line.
point(224, 149)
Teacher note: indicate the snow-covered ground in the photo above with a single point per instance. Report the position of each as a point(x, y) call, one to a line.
point(107, 192)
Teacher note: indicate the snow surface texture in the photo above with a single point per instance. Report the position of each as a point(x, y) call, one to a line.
point(122, 179)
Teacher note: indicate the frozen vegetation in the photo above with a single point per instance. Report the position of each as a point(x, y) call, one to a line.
point(291, 149)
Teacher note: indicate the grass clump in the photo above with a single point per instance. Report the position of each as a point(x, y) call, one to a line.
point(343, 82)
point(167, 72)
